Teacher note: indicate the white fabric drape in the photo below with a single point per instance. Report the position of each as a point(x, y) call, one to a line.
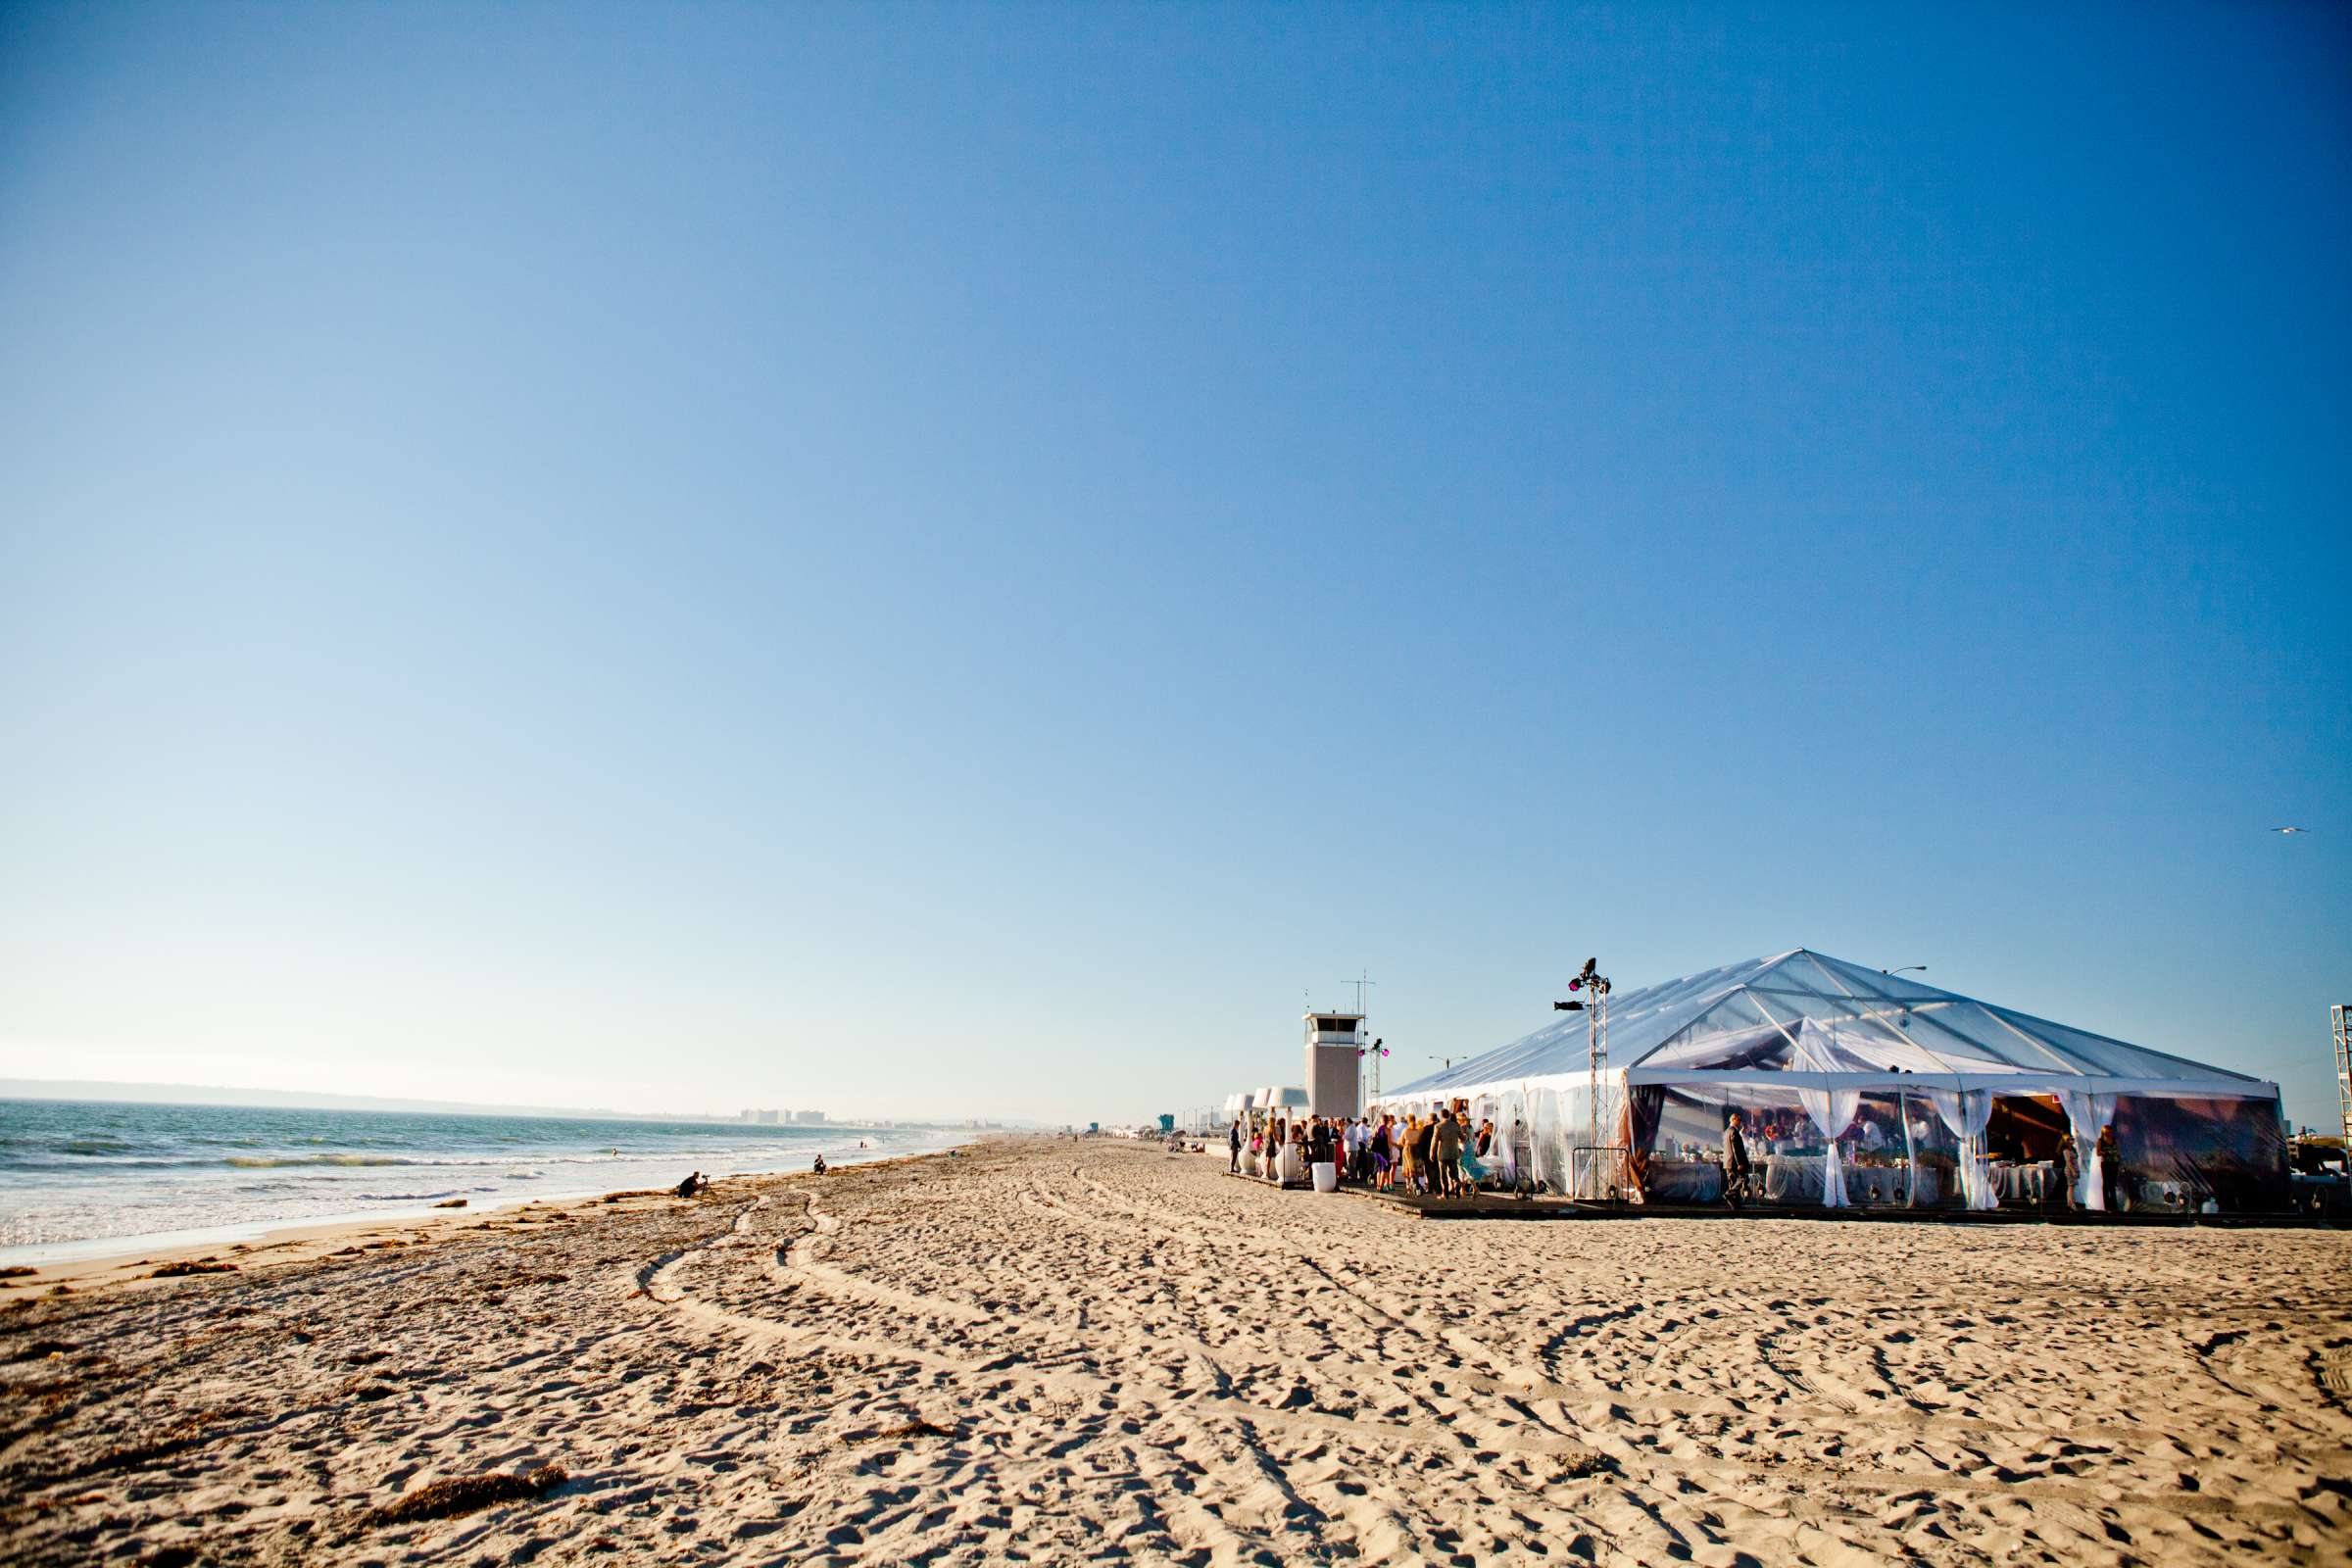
point(1967, 1112)
point(2088, 1116)
point(1544, 1125)
point(1833, 1111)
point(1518, 1139)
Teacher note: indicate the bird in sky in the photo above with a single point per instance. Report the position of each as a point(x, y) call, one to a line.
point(2290, 830)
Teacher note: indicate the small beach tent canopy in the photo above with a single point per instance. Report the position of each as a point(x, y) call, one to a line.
point(1802, 1030)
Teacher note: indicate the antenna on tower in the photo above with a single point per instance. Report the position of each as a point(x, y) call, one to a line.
point(1359, 985)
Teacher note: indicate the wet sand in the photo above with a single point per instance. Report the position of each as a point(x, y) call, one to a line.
point(1053, 1351)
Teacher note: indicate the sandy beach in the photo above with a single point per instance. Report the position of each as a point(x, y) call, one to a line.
point(1059, 1352)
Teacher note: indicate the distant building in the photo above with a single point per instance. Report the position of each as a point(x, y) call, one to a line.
point(810, 1118)
point(768, 1118)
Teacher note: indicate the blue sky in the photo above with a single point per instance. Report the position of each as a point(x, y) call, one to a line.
point(931, 560)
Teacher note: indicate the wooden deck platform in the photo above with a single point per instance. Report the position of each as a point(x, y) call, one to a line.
point(1501, 1205)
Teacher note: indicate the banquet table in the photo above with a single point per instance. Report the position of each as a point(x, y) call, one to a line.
point(2030, 1185)
point(1796, 1179)
point(1681, 1181)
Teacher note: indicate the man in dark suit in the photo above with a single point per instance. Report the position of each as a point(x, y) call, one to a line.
point(1735, 1163)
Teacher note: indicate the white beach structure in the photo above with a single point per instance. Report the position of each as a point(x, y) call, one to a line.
point(1335, 1063)
point(1858, 1087)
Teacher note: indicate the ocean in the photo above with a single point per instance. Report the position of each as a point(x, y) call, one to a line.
point(84, 1178)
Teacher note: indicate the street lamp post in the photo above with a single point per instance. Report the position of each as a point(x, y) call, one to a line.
point(1376, 1050)
point(1594, 1006)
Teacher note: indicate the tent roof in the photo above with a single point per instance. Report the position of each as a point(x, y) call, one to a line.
point(1748, 1021)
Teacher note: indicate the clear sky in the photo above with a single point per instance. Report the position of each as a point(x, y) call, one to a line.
point(956, 560)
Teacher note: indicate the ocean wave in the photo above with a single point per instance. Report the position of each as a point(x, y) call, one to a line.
point(275, 1162)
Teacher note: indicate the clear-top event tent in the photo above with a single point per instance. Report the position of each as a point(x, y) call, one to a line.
point(1855, 1087)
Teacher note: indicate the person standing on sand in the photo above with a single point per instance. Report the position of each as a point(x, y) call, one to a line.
point(1735, 1163)
point(1409, 1174)
point(1233, 1142)
point(1445, 1139)
point(2111, 1173)
point(2070, 1167)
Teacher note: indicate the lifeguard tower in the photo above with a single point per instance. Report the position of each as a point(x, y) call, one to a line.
point(1335, 1045)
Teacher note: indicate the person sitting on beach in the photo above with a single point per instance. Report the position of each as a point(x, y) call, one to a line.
point(819, 1166)
point(693, 1185)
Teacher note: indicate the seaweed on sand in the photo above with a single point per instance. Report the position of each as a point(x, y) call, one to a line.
point(901, 1433)
point(463, 1495)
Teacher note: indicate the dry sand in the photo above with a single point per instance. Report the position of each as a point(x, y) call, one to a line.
point(1055, 1351)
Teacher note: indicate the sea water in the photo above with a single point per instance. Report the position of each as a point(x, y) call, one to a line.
point(85, 1179)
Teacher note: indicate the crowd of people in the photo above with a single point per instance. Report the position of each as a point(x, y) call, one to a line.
point(1441, 1155)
